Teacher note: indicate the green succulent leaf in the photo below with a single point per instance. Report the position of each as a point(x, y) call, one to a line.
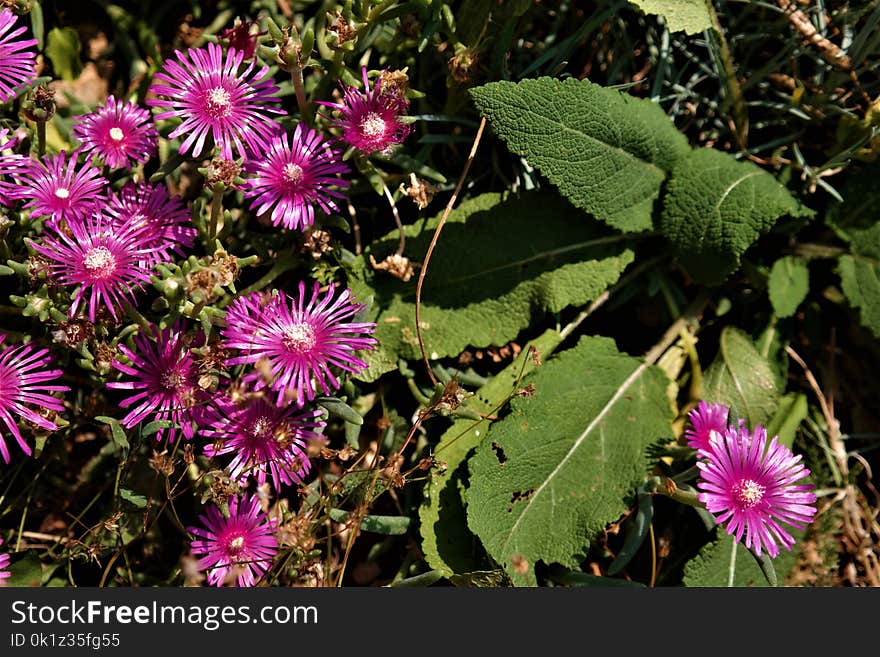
point(501, 263)
point(716, 207)
point(565, 462)
point(743, 379)
point(606, 151)
point(788, 285)
point(688, 16)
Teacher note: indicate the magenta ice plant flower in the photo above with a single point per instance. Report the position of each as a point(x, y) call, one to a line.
point(752, 488)
point(122, 135)
point(704, 419)
point(297, 344)
point(102, 260)
point(214, 97)
point(18, 57)
point(265, 440)
point(240, 547)
point(293, 176)
point(163, 220)
point(57, 188)
point(371, 120)
point(4, 564)
point(165, 380)
point(10, 165)
point(24, 382)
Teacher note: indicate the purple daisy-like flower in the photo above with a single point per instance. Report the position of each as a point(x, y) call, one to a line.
point(265, 440)
point(10, 165)
point(300, 343)
point(705, 419)
point(58, 189)
point(166, 380)
point(293, 176)
point(102, 260)
point(121, 134)
point(19, 61)
point(23, 377)
point(752, 487)
point(214, 97)
point(371, 119)
point(164, 220)
point(242, 546)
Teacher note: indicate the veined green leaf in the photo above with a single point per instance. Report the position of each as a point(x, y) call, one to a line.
point(788, 285)
point(743, 379)
point(716, 208)
point(501, 263)
point(447, 543)
point(607, 152)
point(564, 463)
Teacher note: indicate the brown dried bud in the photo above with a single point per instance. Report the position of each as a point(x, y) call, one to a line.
point(394, 83)
point(420, 191)
point(316, 242)
point(225, 171)
point(463, 65)
point(397, 265)
point(39, 104)
point(344, 30)
point(162, 463)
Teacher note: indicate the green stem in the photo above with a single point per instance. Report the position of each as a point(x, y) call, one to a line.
point(41, 138)
point(214, 224)
point(299, 87)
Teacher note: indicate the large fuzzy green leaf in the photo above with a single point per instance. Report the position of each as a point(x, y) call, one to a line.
point(567, 461)
point(501, 262)
point(606, 151)
point(716, 208)
point(688, 16)
point(447, 543)
point(724, 562)
point(743, 379)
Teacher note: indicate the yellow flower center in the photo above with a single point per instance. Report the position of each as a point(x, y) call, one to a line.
point(116, 134)
point(298, 338)
point(372, 126)
point(748, 493)
point(219, 103)
point(62, 192)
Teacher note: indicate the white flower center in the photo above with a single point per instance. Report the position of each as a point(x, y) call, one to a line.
point(372, 126)
point(99, 262)
point(261, 427)
point(748, 492)
point(62, 192)
point(116, 134)
point(171, 379)
point(292, 173)
point(299, 338)
point(236, 544)
point(219, 103)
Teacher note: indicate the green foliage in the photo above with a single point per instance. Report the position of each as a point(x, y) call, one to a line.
point(606, 151)
point(447, 543)
point(62, 47)
point(743, 379)
point(788, 285)
point(25, 568)
point(504, 261)
point(725, 562)
point(860, 279)
point(565, 462)
point(688, 16)
point(715, 209)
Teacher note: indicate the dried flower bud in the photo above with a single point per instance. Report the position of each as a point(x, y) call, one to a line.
point(420, 191)
point(223, 171)
point(397, 265)
point(39, 104)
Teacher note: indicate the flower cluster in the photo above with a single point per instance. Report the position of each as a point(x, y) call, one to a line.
point(750, 486)
point(103, 232)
